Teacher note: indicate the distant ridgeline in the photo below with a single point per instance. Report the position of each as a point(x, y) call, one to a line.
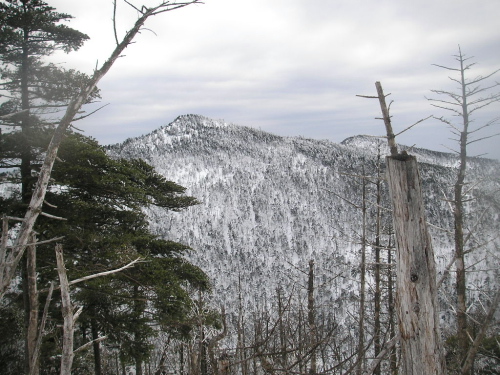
point(271, 204)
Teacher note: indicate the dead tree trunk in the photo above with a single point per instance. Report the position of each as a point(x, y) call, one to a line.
point(311, 318)
point(214, 362)
point(416, 291)
point(32, 309)
point(377, 293)
point(362, 287)
point(68, 315)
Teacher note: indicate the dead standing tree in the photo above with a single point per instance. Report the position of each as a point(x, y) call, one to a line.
point(67, 308)
point(416, 301)
point(463, 103)
point(10, 259)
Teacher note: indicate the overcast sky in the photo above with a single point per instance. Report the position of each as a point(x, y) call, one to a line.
point(290, 67)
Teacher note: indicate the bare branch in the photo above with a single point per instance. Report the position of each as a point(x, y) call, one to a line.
point(39, 338)
point(133, 6)
point(411, 126)
point(91, 113)
point(105, 273)
point(448, 109)
point(391, 138)
point(482, 78)
point(376, 361)
point(483, 138)
point(10, 115)
point(367, 96)
point(489, 123)
point(85, 346)
point(446, 272)
point(114, 23)
point(445, 67)
point(469, 360)
point(52, 216)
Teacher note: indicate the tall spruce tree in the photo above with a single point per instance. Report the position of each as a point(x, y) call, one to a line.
point(102, 201)
point(29, 31)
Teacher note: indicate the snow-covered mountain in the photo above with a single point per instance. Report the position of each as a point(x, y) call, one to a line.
point(270, 204)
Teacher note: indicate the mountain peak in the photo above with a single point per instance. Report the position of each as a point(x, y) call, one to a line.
point(270, 204)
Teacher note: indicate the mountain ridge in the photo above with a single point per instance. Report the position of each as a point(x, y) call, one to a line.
point(270, 204)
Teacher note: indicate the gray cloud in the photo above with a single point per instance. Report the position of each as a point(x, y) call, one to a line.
point(290, 67)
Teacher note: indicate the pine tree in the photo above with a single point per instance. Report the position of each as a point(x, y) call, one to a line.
point(102, 200)
point(29, 31)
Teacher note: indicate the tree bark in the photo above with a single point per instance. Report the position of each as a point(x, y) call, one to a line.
point(213, 342)
point(377, 292)
point(68, 316)
point(311, 318)
point(461, 288)
point(393, 365)
point(362, 286)
point(32, 310)
point(96, 345)
point(416, 298)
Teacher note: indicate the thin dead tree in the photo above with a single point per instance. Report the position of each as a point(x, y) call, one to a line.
point(211, 347)
point(311, 318)
point(416, 301)
point(469, 97)
point(68, 313)
point(11, 259)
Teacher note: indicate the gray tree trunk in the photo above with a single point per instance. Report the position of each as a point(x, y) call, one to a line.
point(32, 310)
point(311, 318)
point(68, 316)
point(416, 301)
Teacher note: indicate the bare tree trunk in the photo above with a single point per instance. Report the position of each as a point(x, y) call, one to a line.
point(32, 307)
point(469, 359)
point(138, 309)
point(463, 340)
point(416, 290)
point(213, 341)
point(421, 349)
point(311, 315)
point(181, 359)
point(68, 316)
point(240, 350)
point(462, 104)
point(362, 287)
point(377, 293)
point(282, 333)
point(393, 364)
point(96, 344)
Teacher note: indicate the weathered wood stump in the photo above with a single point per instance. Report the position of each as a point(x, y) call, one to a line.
point(416, 301)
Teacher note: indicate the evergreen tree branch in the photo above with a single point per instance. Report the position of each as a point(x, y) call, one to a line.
point(9, 265)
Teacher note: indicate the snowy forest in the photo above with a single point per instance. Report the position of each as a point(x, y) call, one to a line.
point(205, 247)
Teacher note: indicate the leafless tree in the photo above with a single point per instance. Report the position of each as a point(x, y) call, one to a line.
point(469, 97)
point(69, 316)
point(416, 275)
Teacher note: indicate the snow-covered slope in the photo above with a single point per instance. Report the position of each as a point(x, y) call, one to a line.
point(270, 204)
